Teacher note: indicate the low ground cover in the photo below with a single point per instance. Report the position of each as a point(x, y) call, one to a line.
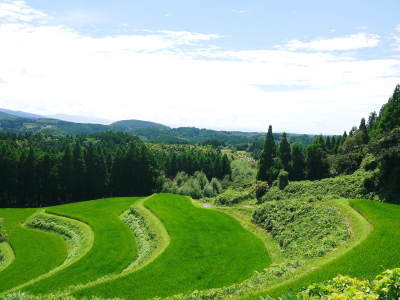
point(379, 251)
point(203, 253)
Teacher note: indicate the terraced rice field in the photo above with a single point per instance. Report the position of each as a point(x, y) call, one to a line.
point(36, 252)
point(113, 247)
point(366, 260)
point(208, 249)
point(201, 249)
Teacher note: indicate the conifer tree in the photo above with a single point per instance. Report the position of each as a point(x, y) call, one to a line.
point(265, 172)
point(285, 153)
point(389, 117)
point(298, 162)
point(364, 132)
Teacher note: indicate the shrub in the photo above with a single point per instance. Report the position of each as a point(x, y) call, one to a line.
point(261, 188)
point(303, 228)
point(196, 186)
point(345, 186)
point(385, 286)
point(230, 197)
point(283, 179)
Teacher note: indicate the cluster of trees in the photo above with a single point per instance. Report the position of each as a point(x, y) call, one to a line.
point(376, 141)
point(44, 169)
point(31, 176)
point(296, 161)
point(189, 159)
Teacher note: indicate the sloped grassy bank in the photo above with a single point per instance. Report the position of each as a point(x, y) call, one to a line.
point(203, 253)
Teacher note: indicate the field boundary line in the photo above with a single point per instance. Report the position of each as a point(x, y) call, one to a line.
point(87, 232)
point(355, 219)
point(162, 242)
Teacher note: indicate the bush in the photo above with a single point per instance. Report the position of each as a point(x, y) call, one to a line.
point(303, 228)
point(283, 179)
point(261, 189)
point(196, 186)
point(230, 197)
point(385, 286)
point(345, 186)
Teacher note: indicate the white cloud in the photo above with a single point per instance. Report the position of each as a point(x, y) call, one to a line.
point(11, 11)
point(349, 42)
point(397, 28)
point(180, 79)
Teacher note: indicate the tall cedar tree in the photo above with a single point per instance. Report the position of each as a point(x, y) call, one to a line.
point(285, 153)
point(317, 166)
point(265, 172)
point(389, 117)
point(364, 132)
point(298, 162)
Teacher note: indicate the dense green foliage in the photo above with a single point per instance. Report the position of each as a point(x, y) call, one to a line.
point(36, 252)
point(369, 258)
point(39, 170)
point(42, 170)
point(145, 237)
point(385, 286)
point(113, 246)
point(196, 186)
point(189, 159)
point(344, 186)
point(202, 248)
point(303, 228)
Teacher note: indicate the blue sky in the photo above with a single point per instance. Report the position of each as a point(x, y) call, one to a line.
point(303, 66)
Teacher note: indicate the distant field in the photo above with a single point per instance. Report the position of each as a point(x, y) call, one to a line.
point(113, 247)
point(36, 252)
point(378, 252)
point(207, 249)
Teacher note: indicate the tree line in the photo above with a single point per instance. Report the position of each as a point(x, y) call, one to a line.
point(376, 142)
point(43, 169)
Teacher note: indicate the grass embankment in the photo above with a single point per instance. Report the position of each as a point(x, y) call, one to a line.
point(36, 252)
point(377, 252)
point(207, 249)
point(113, 246)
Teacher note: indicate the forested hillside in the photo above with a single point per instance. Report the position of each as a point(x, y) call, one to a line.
point(21, 123)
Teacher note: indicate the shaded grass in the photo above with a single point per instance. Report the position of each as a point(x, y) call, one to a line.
point(379, 251)
point(113, 246)
point(207, 249)
point(36, 252)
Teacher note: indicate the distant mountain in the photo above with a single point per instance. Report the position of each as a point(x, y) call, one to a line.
point(80, 119)
point(4, 115)
point(20, 114)
point(137, 124)
point(147, 131)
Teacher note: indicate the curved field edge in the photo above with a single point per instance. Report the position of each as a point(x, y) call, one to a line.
point(319, 269)
point(161, 241)
point(203, 245)
point(285, 270)
point(8, 255)
point(77, 235)
point(243, 215)
point(379, 251)
point(114, 246)
point(36, 252)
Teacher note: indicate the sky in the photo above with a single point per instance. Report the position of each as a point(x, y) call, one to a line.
point(306, 66)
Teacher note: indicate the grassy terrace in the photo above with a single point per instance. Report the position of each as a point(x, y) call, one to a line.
point(36, 252)
point(113, 246)
point(207, 249)
point(379, 251)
